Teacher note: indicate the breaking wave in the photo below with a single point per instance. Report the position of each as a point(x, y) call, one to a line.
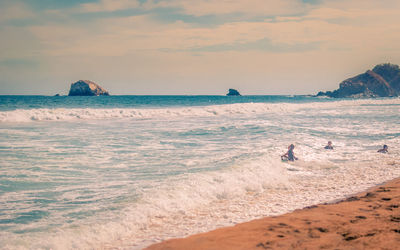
point(64, 114)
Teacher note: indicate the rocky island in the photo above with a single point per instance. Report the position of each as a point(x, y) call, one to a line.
point(233, 92)
point(382, 81)
point(86, 88)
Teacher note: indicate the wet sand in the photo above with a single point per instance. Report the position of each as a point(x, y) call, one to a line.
point(369, 220)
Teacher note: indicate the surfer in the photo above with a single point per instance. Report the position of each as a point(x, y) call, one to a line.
point(329, 146)
point(289, 155)
point(384, 149)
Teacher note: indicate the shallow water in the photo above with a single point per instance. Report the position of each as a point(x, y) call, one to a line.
point(127, 171)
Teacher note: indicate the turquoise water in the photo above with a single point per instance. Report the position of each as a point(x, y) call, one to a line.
point(37, 102)
point(127, 171)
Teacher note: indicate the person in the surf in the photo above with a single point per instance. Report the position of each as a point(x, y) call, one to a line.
point(329, 146)
point(289, 155)
point(384, 149)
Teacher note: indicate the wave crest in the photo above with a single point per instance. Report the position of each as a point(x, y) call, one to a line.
point(47, 114)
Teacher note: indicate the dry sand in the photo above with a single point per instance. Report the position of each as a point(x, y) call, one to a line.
point(369, 220)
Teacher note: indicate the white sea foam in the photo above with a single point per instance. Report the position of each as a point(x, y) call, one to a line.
point(126, 178)
point(26, 115)
point(183, 197)
point(201, 202)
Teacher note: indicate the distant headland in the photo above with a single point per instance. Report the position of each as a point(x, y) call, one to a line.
point(382, 81)
point(86, 88)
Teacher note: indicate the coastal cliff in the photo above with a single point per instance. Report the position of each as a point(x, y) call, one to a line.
point(382, 81)
point(86, 88)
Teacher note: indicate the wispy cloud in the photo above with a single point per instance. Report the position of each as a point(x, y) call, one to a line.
point(248, 8)
point(14, 11)
point(108, 5)
point(264, 44)
point(96, 28)
point(95, 32)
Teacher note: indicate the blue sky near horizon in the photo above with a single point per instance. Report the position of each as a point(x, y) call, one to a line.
point(193, 46)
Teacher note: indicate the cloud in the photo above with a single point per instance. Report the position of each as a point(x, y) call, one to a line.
point(108, 5)
point(40, 5)
point(14, 10)
point(249, 7)
point(323, 27)
point(199, 12)
point(203, 7)
point(264, 44)
point(221, 41)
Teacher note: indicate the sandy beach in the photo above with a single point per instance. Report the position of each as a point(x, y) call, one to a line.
point(368, 220)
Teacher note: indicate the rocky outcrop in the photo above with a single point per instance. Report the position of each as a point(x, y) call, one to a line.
point(86, 88)
point(382, 81)
point(233, 92)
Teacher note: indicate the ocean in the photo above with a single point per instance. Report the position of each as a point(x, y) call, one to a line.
point(128, 171)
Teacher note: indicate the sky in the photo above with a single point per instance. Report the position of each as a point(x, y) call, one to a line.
point(193, 47)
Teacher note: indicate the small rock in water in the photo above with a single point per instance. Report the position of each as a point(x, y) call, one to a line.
point(233, 92)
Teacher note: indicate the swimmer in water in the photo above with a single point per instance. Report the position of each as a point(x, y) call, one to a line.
point(329, 146)
point(383, 150)
point(289, 155)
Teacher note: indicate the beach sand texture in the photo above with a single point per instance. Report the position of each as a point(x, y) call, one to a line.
point(369, 220)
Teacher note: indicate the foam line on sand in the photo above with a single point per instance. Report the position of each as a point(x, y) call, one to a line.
point(368, 220)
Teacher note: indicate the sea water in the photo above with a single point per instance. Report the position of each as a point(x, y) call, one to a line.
point(128, 171)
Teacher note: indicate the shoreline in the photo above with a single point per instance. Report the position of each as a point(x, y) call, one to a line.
point(367, 219)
